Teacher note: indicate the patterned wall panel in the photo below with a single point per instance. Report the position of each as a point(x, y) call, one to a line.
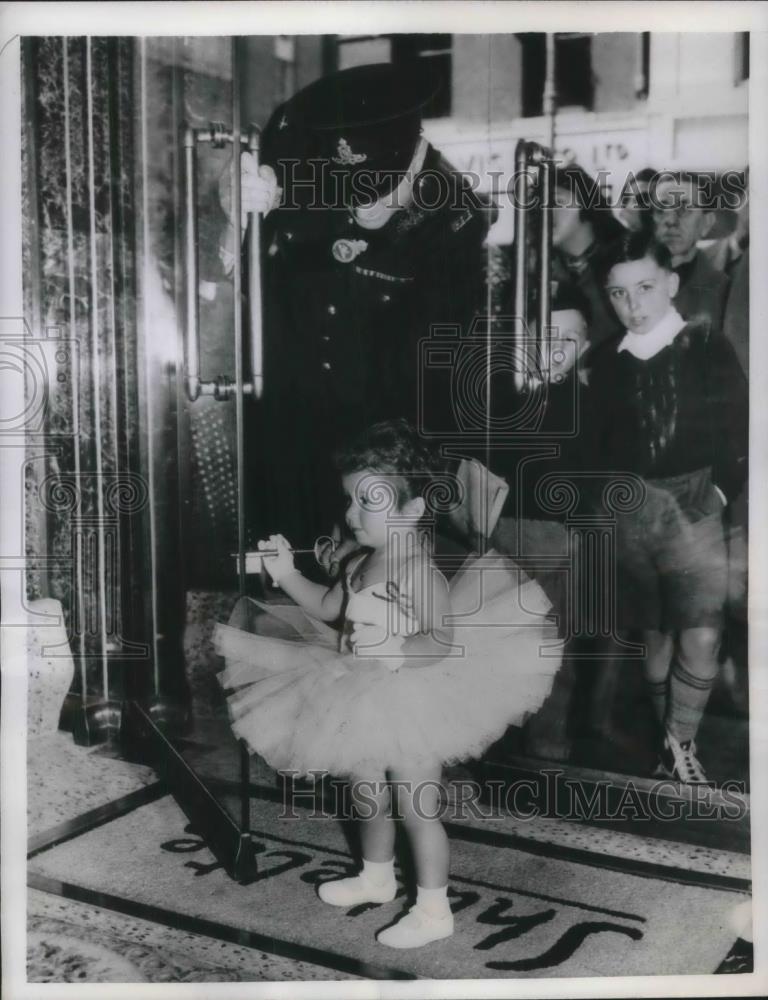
point(80, 298)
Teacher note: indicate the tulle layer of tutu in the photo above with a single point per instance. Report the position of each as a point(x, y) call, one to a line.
point(306, 708)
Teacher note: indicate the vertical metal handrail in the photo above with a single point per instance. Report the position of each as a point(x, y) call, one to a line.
point(221, 388)
point(521, 190)
point(191, 282)
point(546, 192)
point(256, 338)
point(237, 285)
point(527, 155)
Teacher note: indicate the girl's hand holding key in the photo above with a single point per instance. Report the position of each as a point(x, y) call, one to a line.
point(279, 563)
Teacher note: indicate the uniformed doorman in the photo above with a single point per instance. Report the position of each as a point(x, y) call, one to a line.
point(370, 239)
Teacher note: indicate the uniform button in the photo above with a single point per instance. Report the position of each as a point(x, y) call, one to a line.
point(326, 338)
point(289, 236)
point(326, 366)
point(331, 310)
point(385, 297)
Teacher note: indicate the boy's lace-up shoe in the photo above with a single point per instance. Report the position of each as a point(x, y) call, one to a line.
point(678, 761)
point(356, 890)
point(416, 928)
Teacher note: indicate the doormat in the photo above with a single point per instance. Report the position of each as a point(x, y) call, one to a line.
point(517, 914)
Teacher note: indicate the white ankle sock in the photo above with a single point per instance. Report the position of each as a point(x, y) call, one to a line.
point(433, 901)
point(379, 872)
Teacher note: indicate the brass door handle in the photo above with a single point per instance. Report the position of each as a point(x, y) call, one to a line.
point(530, 155)
point(223, 387)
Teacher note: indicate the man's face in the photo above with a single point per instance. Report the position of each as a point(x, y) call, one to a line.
point(632, 204)
point(677, 222)
point(641, 292)
point(569, 337)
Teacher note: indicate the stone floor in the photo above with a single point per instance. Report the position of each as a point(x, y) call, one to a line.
point(73, 941)
point(65, 780)
point(70, 941)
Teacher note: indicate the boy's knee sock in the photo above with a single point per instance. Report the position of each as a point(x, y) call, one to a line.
point(688, 696)
point(658, 692)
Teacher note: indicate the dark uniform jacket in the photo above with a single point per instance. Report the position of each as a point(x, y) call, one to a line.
point(343, 336)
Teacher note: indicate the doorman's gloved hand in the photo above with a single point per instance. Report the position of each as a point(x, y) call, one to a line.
point(259, 191)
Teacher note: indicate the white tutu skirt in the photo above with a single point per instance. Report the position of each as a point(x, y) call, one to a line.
point(304, 707)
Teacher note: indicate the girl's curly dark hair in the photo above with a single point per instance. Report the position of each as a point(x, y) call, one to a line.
point(394, 448)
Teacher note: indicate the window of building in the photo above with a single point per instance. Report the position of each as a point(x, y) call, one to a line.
point(574, 84)
point(285, 63)
point(405, 51)
point(408, 50)
point(643, 65)
point(742, 56)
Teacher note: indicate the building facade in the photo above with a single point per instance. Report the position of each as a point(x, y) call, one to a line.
point(624, 101)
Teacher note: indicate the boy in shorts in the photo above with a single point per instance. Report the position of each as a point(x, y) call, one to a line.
point(669, 404)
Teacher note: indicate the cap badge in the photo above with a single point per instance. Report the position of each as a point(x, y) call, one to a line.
point(346, 250)
point(346, 156)
point(283, 123)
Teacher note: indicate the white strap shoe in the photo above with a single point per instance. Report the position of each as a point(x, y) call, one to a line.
point(415, 929)
point(679, 762)
point(359, 889)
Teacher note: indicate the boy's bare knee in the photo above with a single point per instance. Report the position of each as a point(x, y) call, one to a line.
point(699, 644)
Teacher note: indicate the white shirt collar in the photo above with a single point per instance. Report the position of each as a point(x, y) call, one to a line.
point(645, 345)
point(375, 216)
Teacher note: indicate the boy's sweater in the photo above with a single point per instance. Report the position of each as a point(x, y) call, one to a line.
point(682, 410)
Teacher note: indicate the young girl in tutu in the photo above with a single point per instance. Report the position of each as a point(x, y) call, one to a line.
point(425, 674)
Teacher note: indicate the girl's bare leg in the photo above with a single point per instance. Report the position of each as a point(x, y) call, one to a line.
point(371, 803)
point(376, 882)
point(419, 801)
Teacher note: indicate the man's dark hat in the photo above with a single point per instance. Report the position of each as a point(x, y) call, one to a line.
point(367, 117)
point(587, 195)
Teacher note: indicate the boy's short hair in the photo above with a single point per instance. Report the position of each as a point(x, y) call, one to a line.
point(633, 246)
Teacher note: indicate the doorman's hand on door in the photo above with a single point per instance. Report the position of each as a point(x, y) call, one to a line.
point(259, 191)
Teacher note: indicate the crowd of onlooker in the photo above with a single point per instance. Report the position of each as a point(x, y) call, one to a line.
point(640, 407)
point(650, 337)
